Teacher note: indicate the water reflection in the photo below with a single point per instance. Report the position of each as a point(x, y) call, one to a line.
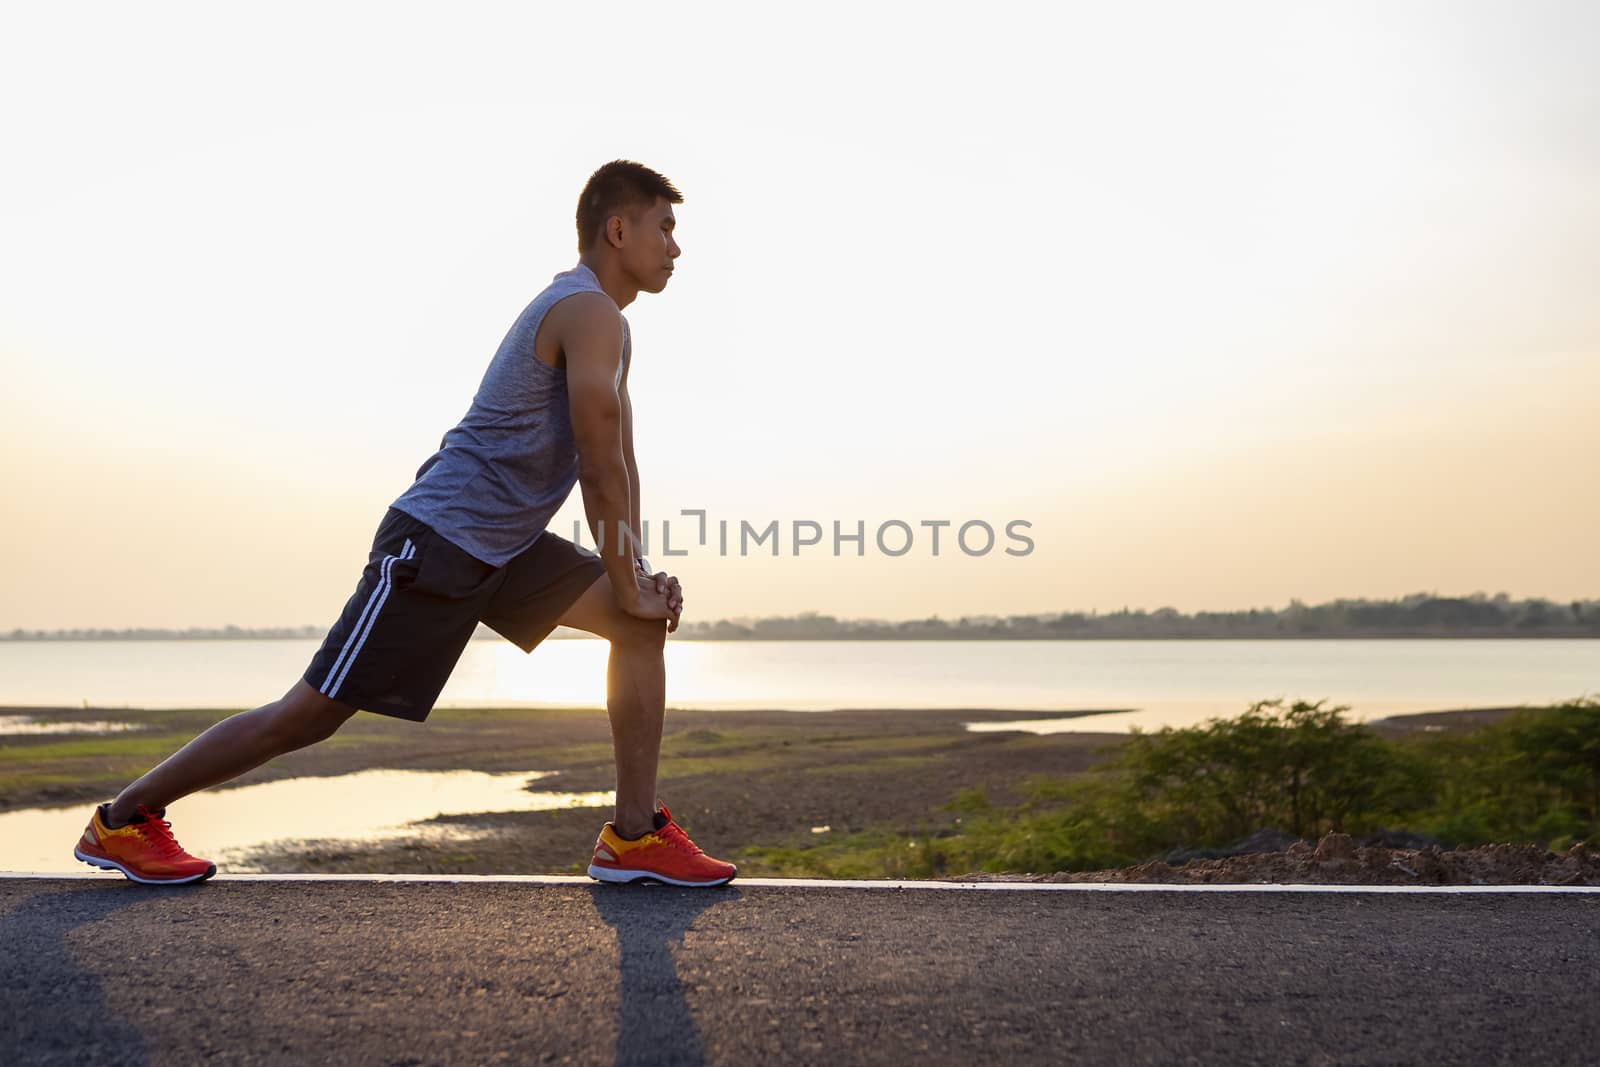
point(1171, 682)
point(27, 724)
point(228, 824)
point(1184, 713)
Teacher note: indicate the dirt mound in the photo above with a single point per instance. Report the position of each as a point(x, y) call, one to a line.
point(1336, 860)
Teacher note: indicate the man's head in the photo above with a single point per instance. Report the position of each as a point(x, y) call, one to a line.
point(625, 215)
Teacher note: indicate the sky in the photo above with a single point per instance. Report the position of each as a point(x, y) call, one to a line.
point(1228, 305)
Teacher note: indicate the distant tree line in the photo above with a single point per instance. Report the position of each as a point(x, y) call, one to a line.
point(1418, 615)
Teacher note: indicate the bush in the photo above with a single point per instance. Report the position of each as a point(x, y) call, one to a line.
point(1533, 777)
point(1302, 768)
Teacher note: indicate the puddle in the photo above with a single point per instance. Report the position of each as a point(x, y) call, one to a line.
point(1116, 723)
point(26, 724)
point(1179, 714)
point(228, 825)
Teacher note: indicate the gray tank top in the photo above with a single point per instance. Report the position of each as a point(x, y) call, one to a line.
point(511, 462)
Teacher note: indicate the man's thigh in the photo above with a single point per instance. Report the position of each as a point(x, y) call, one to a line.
point(541, 587)
point(397, 640)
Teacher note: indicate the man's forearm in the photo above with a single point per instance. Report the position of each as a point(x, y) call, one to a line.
point(635, 517)
point(607, 498)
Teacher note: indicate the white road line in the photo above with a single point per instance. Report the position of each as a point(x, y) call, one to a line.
point(828, 883)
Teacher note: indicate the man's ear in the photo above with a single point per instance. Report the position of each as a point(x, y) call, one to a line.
point(614, 231)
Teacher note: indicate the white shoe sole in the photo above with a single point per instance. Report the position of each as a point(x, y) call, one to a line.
point(608, 874)
point(113, 865)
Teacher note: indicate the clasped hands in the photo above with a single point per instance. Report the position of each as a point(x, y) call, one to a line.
point(660, 596)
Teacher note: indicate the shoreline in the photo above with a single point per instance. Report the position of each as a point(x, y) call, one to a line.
point(93, 711)
point(574, 745)
point(758, 787)
point(1416, 635)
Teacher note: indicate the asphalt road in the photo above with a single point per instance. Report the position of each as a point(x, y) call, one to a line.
point(106, 972)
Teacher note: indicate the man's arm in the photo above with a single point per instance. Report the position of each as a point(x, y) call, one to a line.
point(591, 339)
point(632, 465)
point(664, 583)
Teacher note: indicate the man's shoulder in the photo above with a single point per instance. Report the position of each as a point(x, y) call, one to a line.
point(584, 312)
point(584, 322)
point(590, 302)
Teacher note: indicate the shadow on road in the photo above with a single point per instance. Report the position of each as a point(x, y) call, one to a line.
point(67, 1018)
point(654, 1025)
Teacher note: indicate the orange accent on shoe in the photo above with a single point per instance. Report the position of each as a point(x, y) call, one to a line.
point(664, 855)
point(144, 851)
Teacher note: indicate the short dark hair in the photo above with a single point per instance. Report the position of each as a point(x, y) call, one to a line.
point(616, 187)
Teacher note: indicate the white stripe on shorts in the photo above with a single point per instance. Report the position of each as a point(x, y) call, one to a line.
point(363, 626)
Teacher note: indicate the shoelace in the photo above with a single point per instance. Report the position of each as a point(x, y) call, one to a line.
point(673, 834)
point(158, 832)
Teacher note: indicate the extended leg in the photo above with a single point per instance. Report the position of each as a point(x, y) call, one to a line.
point(233, 746)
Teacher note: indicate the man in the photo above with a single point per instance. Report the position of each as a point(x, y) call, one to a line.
point(467, 543)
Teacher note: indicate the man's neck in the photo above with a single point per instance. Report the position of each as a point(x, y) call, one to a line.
point(609, 274)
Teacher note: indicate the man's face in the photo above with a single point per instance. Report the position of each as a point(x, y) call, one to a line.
point(648, 248)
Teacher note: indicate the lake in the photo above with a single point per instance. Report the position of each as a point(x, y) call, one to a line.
point(1161, 682)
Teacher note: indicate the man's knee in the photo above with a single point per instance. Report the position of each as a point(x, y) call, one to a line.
point(640, 634)
point(324, 726)
point(305, 716)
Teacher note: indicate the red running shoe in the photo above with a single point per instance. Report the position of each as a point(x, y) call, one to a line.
point(664, 855)
point(144, 850)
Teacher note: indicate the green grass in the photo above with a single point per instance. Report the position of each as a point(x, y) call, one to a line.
point(875, 853)
point(514, 715)
point(744, 763)
point(702, 739)
point(108, 746)
point(878, 744)
point(883, 765)
point(47, 787)
point(24, 780)
point(361, 740)
point(541, 756)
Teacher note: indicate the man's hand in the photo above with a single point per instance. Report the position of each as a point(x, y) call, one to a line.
point(658, 596)
point(644, 602)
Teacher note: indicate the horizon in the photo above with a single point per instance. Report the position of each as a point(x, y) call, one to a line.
point(1477, 596)
point(1267, 304)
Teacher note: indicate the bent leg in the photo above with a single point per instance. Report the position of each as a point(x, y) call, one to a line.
point(636, 698)
point(233, 746)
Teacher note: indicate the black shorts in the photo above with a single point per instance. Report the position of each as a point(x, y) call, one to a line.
point(419, 601)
